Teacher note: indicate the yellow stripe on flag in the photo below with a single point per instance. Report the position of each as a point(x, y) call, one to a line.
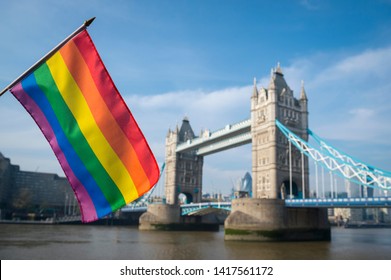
point(77, 104)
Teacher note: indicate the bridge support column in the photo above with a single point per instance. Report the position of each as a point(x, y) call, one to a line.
point(168, 217)
point(160, 217)
point(254, 219)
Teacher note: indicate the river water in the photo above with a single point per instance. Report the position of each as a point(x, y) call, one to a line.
point(86, 242)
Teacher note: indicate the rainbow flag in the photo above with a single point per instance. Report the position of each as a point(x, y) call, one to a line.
point(93, 134)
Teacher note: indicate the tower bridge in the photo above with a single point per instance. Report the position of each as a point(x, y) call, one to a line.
point(270, 169)
point(278, 132)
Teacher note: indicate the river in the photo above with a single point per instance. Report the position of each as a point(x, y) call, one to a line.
point(86, 242)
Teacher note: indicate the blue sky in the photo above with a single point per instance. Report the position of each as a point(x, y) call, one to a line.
point(198, 58)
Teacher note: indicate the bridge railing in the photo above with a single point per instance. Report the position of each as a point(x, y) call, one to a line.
point(186, 209)
point(353, 202)
point(134, 209)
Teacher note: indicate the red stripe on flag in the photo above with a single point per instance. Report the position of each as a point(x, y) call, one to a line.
point(118, 107)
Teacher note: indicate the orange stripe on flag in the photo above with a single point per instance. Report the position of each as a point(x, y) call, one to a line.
point(103, 116)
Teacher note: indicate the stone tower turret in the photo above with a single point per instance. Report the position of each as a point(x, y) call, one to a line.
point(183, 170)
point(270, 148)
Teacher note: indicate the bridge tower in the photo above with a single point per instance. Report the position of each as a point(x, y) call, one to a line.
point(183, 170)
point(275, 171)
point(279, 170)
point(183, 176)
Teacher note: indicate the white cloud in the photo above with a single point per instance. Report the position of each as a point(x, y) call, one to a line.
point(348, 101)
point(348, 93)
point(364, 67)
point(357, 125)
point(205, 109)
point(310, 4)
point(362, 113)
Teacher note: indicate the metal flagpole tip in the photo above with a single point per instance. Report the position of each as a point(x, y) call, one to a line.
point(32, 68)
point(89, 21)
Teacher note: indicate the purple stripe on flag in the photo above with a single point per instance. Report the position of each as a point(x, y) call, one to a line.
point(88, 211)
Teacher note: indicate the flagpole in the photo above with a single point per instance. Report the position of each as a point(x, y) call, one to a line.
point(50, 53)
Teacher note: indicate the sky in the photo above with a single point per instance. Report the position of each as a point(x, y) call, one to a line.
point(171, 59)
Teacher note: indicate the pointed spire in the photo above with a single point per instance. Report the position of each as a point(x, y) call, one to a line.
point(278, 69)
point(255, 90)
point(303, 95)
point(272, 79)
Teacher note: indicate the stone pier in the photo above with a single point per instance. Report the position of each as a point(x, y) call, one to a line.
point(160, 217)
point(167, 217)
point(255, 219)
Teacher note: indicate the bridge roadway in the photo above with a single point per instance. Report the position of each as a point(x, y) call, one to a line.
point(199, 209)
point(230, 136)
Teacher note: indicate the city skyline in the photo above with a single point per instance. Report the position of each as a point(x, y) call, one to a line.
point(198, 59)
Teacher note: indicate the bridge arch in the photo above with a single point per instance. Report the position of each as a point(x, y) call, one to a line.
point(185, 198)
point(285, 190)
